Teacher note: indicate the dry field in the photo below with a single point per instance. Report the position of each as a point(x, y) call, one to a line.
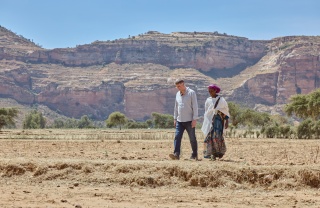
point(131, 168)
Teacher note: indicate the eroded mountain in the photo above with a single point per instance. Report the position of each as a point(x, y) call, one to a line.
point(136, 75)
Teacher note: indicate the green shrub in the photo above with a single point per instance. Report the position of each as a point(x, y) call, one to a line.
point(305, 129)
point(34, 120)
point(271, 131)
point(7, 116)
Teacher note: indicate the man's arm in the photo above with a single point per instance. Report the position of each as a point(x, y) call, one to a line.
point(194, 110)
point(175, 112)
point(194, 106)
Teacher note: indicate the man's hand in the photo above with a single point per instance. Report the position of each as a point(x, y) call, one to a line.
point(193, 123)
point(174, 123)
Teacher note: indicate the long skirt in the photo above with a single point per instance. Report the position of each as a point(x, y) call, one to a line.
point(214, 144)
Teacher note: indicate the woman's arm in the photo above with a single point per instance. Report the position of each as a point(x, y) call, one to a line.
point(226, 124)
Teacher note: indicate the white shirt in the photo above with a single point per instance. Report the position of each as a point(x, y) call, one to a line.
point(186, 106)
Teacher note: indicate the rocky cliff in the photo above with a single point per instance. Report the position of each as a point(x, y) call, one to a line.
point(202, 51)
point(136, 75)
point(292, 66)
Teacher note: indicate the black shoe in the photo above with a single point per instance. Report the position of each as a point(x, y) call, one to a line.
point(193, 157)
point(174, 156)
point(220, 155)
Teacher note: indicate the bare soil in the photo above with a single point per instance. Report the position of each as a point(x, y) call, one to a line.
point(112, 168)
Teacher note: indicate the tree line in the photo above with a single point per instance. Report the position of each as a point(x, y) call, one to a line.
point(251, 123)
point(35, 120)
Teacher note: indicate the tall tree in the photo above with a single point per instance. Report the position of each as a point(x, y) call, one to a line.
point(85, 122)
point(34, 120)
point(314, 104)
point(298, 106)
point(235, 111)
point(7, 116)
point(304, 106)
point(116, 119)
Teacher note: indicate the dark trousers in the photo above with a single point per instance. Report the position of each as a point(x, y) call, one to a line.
point(180, 127)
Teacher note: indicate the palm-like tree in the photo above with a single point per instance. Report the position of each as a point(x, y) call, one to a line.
point(298, 106)
point(304, 106)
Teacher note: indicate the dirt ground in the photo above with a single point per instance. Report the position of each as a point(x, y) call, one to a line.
point(100, 168)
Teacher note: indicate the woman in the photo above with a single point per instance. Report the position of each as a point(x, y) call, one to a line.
point(215, 120)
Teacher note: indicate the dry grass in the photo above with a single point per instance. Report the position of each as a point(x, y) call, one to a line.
point(100, 164)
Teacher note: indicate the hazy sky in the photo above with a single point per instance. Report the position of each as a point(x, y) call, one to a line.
point(67, 23)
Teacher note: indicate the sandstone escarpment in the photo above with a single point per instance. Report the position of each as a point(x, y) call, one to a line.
point(202, 51)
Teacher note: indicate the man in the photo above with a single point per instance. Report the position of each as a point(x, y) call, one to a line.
point(185, 118)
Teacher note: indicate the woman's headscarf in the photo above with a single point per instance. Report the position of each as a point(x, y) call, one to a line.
point(214, 87)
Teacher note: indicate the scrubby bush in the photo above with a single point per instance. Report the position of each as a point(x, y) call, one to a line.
point(305, 129)
point(162, 120)
point(116, 119)
point(136, 125)
point(316, 129)
point(284, 131)
point(85, 122)
point(271, 131)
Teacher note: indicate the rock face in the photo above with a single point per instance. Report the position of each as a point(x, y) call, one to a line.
point(98, 102)
point(142, 104)
point(135, 75)
point(16, 84)
point(298, 75)
point(298, 72)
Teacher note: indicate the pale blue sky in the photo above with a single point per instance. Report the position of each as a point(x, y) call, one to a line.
point(67, 23)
